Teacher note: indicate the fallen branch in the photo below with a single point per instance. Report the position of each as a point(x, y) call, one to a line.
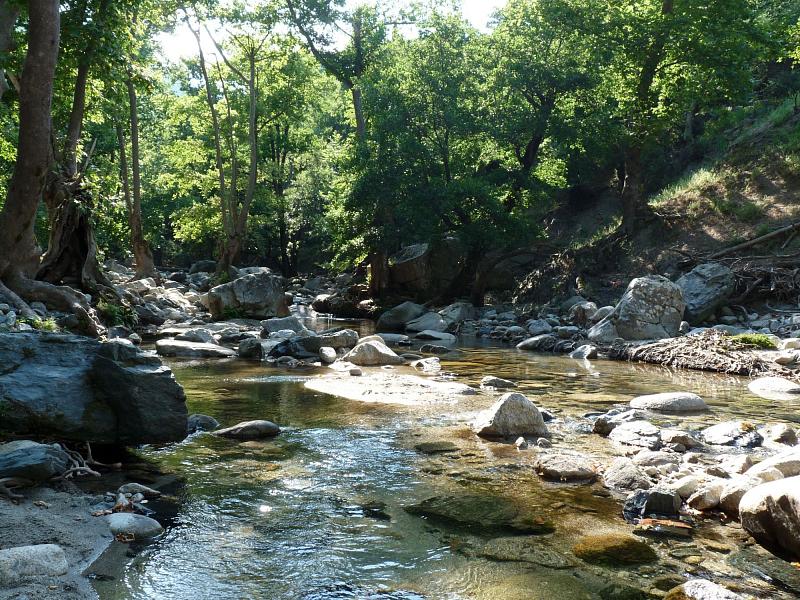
point(755, 241)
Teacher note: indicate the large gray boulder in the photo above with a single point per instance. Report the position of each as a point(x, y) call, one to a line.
point(372, 354)
point(512, 415)
point(282, 324)
point(77, 388)
point(32, 461)
point(706, 288)
point(258, 296)
point(426, 270)
point(771, 514)
point(651, 308)
point(395, 319)
point(428, 322)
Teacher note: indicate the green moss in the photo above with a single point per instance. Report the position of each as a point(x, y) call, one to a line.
point(755, 340)
point(614, 549)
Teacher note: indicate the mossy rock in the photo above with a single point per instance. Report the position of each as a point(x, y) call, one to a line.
point(482, 512)
point(614, 549)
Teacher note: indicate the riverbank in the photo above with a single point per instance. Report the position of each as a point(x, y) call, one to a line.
point(64, 518)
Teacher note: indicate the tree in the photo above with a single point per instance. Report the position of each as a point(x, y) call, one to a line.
point(234, 212)
point(543, 62)
point(668, 57)
point(364, 29)
point(19, 253)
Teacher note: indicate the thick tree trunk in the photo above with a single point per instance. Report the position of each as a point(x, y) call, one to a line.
point(18, 250)
point(141, 249)
point(19, 253)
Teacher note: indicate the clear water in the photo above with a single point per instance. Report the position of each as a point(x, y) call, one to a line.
point(318, 512)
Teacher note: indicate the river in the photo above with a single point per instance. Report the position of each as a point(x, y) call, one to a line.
point(319, 512)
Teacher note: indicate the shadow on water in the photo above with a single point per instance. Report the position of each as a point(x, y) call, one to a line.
point(319, 513)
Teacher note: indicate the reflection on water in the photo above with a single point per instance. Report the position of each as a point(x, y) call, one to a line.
point(318, 512)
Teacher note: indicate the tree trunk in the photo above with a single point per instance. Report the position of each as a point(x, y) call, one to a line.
point(284, 238)
point(19, 253)
point(358, 109)
point(141, 249)
point(8, 18)
point(634, 207)
point(378, 273)
point(18, 250)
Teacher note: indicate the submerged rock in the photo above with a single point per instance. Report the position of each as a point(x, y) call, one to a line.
point(25, 562)
point(497, 382)
point(250, 430)
point(511, 416)
point(525, 549)
point(670, 402)
point(80, 389)
point(775, 388)
point(483, 512)
point(770, 513)
point(614, 549)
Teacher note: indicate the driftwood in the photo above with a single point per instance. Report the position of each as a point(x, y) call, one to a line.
point(709, 351)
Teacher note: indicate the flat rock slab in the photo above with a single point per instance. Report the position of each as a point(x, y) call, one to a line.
point(390, 388)
point(670, 402)
point(179, 348)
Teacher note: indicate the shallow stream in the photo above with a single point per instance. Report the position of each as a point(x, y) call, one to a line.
point(318, 513)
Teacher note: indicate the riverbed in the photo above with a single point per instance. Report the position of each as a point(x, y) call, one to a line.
point(320, 512)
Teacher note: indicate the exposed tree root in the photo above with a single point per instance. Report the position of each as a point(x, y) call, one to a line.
point(23, 291)
point(6, 483)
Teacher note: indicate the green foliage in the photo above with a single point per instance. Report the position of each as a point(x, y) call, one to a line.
point(117, 314)
point(755, 340)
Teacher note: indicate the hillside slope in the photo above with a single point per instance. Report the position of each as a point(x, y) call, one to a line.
point(747, 187)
